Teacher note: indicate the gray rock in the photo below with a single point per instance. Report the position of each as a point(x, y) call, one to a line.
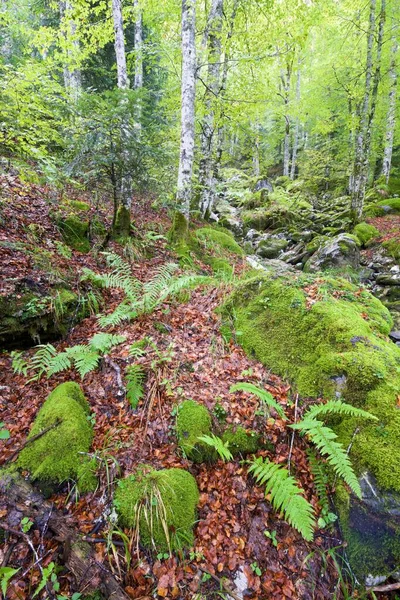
point(271, 246)
point(275, 266)
point(341, 251)
point(387, 279)
point(264, 184)
point(395, 336)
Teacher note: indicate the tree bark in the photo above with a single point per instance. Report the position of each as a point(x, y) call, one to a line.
point(138, 81)
point(124, 215)
point(188, 95)
point(19, 499)
point(72, 76)
point(297, 126)
point(206, 170)
point(391, 114)
point(285, 81)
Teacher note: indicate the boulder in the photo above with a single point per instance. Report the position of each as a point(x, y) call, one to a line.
point(271, 246)
point(264, 184)
point(341, 251)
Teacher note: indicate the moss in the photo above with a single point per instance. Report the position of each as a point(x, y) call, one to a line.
point(365, 233)
point(159, 501)
point(54, 456)
point(193, 421)
point(213, 236)
point(79, 206)
point(241, 442)
point(178, 235)
point(392, 248)
point(339, 332)
point(220, 265)
point(87, 475)
point(122, 226)
point(393, 204)
point(75, 232)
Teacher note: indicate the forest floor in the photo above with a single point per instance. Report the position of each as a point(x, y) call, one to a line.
point(193, 361)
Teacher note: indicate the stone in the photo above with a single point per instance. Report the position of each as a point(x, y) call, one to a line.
point(341, 251)
point(271, 246)
point(395, 336)
point(264, 184)
point(388, 280)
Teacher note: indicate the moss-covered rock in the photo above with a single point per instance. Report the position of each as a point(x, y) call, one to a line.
point(240, 441)
point(271, 246)
point(365, 233)
point(215, 237)
point(79, 205)
point(336, 252)
point(392, 247)
point(163, 505)
point(178, 235)
point(390, 205)
point(329, 337)
point(74, 231)
point(193, 421)
point(55, 456)
point(220, 265)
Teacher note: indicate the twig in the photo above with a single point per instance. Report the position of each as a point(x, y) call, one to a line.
point(293, 431)
point(56, 423)
point(222, 584)
point(91, 540)
point(390, 587)
point(121, 391)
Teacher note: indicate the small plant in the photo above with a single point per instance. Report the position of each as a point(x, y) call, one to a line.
point(256, 569)
point(163, 555)
point(63, 250)
point(221, 447)
point(265, 396)
point(6, 573)
point(135, 376)
point(26, 524)
point(272, 536)
point(220, 412)
point(4, 432)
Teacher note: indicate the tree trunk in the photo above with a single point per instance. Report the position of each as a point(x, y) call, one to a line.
point(297, 127)
point(391, 114)
point(285, 81)
point(188, 95)
point(18, 499)
point(138, 81)
point(124, 214)
point(206, 171)
point(72, 76)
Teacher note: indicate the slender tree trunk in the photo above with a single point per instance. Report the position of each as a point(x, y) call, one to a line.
point(391, 114)
point(297, 127)
point(285, 80)
point(138, 81)
point(256, 152)
point(188, 94)
point(124, 214)
point(72, 75)
point(206, 170)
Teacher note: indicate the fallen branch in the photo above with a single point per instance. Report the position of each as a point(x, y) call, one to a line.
point(19, 499)
point(390, 587)
point(121, 388)
point(28, 441)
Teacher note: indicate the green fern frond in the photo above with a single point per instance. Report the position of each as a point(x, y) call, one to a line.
point(337, 407)
point(220, 447)
point(324, 439)
point(103, 342)
point(260, 393)
point(42, 359)
point(123, 312)
point(157, 288)
point(135, 376)
point(59, 362)
point(19, 364)
point(321, 479)
point(286, 496)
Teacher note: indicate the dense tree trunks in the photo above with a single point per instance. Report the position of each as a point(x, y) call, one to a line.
point(188, 94)
point(123, 221)
point(391, 114)
point(285, 85)
point(297, 127)
point(72, 74)
point(367, 111)
point(206, 170)
point(18, 499)
point(138, 81)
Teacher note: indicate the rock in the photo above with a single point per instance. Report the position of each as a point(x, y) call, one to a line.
point(264, 184)
point(341, 251)
point(388, 280)
point(228, 216)
point(274, 267)
point(271, 246)
point(395, 336)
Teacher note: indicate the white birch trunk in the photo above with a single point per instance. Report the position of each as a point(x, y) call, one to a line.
point(138, 81)
point(188, 95)
point(285, 79)
point(297, 128)
point(206, 170)
point(72, 75)
point(391, 114)
point(123, 84)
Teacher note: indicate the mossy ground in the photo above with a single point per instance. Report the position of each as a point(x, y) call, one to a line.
point(317, 330)
point(162, 504)
point(74, 231)
point(241, 442)
point(193, 421)
point(365, 233)
point(54, 457)
point(213, 236)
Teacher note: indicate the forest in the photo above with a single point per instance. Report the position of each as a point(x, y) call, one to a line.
point(199, 299)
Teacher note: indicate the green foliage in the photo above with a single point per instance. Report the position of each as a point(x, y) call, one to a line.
point(241, 442)
point(321, 480)
point(337, 407)
point(265, 396)
point(193, 421)
point(160, 506)
point(365, 232)
point(286, 496)
point(211, 236)
point(135, 376)
point(4, 432)
point(6, 573)
point(75, 232)
point(221, 447)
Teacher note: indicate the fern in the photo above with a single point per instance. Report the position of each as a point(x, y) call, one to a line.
point(324, 439)
point(321, 478)
point(134, 388)
point(103, 342)
point(156, 290)
point(286, 496)
point(260, 393)
point(41, 362)
point(220, 447)
point(85, 359)
point(123, 312)
point(19, 364)
point(339, 408)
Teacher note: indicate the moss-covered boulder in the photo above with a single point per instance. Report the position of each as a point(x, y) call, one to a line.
point(241, 442)
point(161, 505)
point(74, 230)
point(214, 237)
point(365, 233)
point(55, 456)
point(193, 421)
point(336, 253)
point(33, 314)
point(330, 338)
point(271, 246)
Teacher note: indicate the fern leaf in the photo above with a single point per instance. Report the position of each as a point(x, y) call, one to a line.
point(337, 407)
point(324, 439)
point(123, 312)
point(85, 360)
point(58, 363)
point(221, 447)
point(321, 479)
point(260, 393)
point(41, 361)
point(103, 342)
point(135, 376)
point(286, 496)
point(157, 288)
point(19, 364)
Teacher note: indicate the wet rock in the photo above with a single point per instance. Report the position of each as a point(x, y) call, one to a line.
point(395, 336)
point(341, 251)
point(271, 246)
